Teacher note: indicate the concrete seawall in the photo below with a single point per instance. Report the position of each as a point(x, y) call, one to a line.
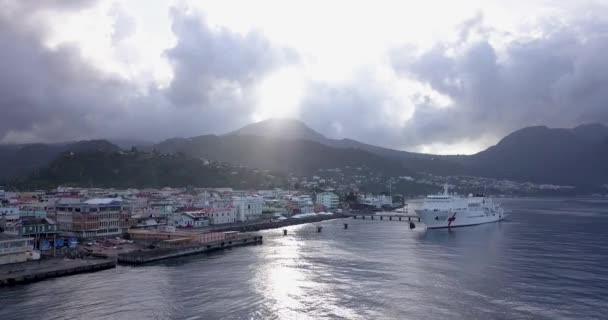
point(33, 271)
point(141, 257)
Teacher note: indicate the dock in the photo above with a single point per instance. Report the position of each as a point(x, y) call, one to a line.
point(146, 256)
point(388, 217)
point(257, 226)
point(33, 271)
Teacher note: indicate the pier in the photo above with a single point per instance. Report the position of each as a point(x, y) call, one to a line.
point(33, 271)
point(388, 217)
point(257, 226)
point(146, 256)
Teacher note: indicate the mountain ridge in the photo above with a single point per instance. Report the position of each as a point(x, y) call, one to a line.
point(539, 154)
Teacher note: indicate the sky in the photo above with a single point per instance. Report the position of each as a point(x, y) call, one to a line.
point(446, 77)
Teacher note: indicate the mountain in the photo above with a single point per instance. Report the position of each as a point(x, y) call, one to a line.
point(289, 129)
point(577, 156)
point(542, 155)
point(139, 169)
point(297, 156)
point(127, 144)
point(21, 159)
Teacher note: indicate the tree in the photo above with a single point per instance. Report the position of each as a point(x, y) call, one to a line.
point(351, 197)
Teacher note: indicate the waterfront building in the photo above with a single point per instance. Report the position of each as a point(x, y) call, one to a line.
point(377, 201)
point(191, 219)
point(248, 208)
point(14, 249)
point(101, 217)
point(329, 200)
point(42, 230)
point(222, 215)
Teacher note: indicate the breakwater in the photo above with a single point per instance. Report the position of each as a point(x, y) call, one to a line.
point(33, 271)
point(146, 256)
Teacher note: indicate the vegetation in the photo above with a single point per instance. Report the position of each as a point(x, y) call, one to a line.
point(140, 170)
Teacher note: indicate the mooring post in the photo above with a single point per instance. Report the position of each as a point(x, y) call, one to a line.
point(346, 226)
point(284, 232)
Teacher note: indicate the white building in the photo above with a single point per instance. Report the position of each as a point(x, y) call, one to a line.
point(191, 220)
point(222, 215)
point(377, 201)
point(248, 208)
point(328, 199)
point(14, 248)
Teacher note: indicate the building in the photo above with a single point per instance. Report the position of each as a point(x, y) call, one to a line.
point(328, 199)
point(14, 249)
point(9, 213)
point(101, 217)
point(222, 215)
point(34, 213)
point(248, 208)
point(191, 219)
point(44, 231)
point(377, 201)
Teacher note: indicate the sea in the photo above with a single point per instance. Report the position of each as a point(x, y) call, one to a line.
point(548, 260)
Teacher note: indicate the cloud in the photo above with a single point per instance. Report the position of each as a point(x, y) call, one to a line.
point(472, 89)
point(370, 107)
point(47, 94)
point(55, 94)
point(210, 63)
point(555, 78)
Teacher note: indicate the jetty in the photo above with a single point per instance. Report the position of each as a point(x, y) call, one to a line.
point(33, 271)
point(384, 216)
point(257, 226)
point(149, 255)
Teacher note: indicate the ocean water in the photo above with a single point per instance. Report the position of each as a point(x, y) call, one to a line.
point(549, 260)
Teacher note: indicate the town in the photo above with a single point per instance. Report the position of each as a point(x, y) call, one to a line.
point(110, 223)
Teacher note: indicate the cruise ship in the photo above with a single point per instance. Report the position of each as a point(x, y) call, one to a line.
point(450, 210)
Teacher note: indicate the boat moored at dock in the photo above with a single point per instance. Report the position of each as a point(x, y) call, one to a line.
point(450, 210)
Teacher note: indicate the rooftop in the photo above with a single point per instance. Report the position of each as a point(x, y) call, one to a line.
point(96, 201)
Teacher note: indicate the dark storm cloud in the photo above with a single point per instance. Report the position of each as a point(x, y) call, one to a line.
point(54, 94)
point(209, 63)
point(558, 79)
point(46, 93)
point(352, 110)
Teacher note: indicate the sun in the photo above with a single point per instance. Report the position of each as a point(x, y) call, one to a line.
point(279, 94)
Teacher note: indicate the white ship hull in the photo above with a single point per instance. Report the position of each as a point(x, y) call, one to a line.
point(450, 210)
point(446, 219)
